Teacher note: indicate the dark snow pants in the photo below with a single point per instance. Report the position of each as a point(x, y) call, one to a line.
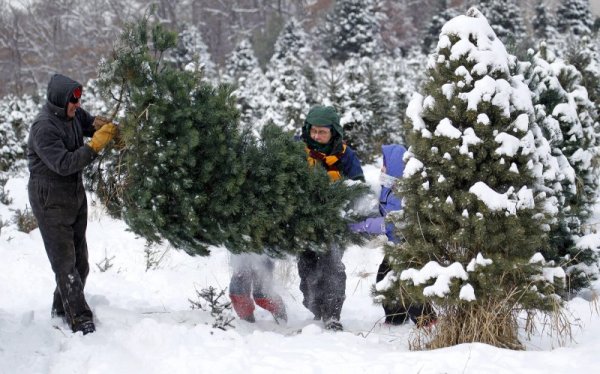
point(60, 207)
point(398, 311)
point(323, 282)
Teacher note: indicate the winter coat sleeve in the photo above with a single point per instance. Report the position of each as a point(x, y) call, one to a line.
point(50, 147)
point(373, 226)
point(87, 122)
point(351, 167)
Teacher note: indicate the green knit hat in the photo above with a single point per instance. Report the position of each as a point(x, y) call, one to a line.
point(320, 115)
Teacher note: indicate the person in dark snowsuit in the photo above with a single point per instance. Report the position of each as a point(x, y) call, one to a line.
point(393, 168)
point(252, 282)
point(323, 275)
point(56, 156)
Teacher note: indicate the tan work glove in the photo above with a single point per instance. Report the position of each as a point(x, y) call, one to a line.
point(100, 121)
point(102, 137)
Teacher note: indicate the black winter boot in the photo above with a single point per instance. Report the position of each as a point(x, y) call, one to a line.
point(333, 325)
point(85, 325)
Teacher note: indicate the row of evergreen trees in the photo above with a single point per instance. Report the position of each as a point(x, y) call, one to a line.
point(345, 63)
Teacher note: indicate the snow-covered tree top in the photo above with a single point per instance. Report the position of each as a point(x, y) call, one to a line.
point(292, 40)
point(488, 52)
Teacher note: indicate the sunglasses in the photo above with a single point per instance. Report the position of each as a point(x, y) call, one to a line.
point(74, 100)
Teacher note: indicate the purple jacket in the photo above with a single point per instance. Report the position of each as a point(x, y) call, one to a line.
point(388, 202)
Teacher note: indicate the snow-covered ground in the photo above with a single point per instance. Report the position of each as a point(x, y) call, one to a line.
point(145, 323)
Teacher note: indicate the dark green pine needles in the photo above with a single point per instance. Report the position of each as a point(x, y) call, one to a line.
point(191, 176)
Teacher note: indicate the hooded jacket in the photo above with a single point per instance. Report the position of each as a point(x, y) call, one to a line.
point(393, 155)
point(55, 145)
point(349, 165)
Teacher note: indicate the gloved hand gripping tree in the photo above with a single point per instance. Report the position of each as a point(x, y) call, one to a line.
point(190, 176)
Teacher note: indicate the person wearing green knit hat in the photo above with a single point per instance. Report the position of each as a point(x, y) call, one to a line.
point(323, 275)
point(324, 138)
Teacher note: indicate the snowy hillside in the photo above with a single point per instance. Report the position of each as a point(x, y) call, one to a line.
point(145, 323)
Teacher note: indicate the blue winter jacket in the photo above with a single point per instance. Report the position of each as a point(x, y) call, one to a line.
point(351, 167)
point(388, 202)
point(350, 164)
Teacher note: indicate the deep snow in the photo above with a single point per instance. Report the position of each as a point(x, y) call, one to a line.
point(145, 323)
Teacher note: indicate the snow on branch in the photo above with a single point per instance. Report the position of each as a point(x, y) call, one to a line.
point(507, 201)
point(414, 112)
point(489, 51)
point(412, 167)
point(478, 261)
point(549, 273)
point(433, 270)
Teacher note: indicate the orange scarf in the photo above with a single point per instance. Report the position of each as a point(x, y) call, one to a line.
point(331, 162)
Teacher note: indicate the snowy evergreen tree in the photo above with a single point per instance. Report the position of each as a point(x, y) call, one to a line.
point(366, 109)
point(192, 53)
point(506, 19)
point(388, 73)
point(285, 72)
point(578, 122)
point(103, 175)
point(578, 119)
point(12, 148)
point(252, 87)
point(92, 99)
point(16, 115)
point(355, 117)
point(292, 41)
point(473, 221)
point(329, 86)
point(432, 33)
point(543, 73)
point(192, 177)
point(240, 62)
point(584, 55)
point(543, 23)
point(352, 30)
point(410, 76)
point(574, 17)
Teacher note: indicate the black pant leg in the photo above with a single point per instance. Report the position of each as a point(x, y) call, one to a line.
point(310, 279)
point(395, 312)
point(333, 290)
point(384, 268)
point(56, 209)
point(80, 242)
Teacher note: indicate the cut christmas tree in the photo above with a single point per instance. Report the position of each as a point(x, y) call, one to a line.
point(189, 175)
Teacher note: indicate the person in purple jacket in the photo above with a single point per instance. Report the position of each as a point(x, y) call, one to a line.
point(393, 168)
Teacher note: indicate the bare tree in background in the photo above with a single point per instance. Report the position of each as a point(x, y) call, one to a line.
point(68, 36)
